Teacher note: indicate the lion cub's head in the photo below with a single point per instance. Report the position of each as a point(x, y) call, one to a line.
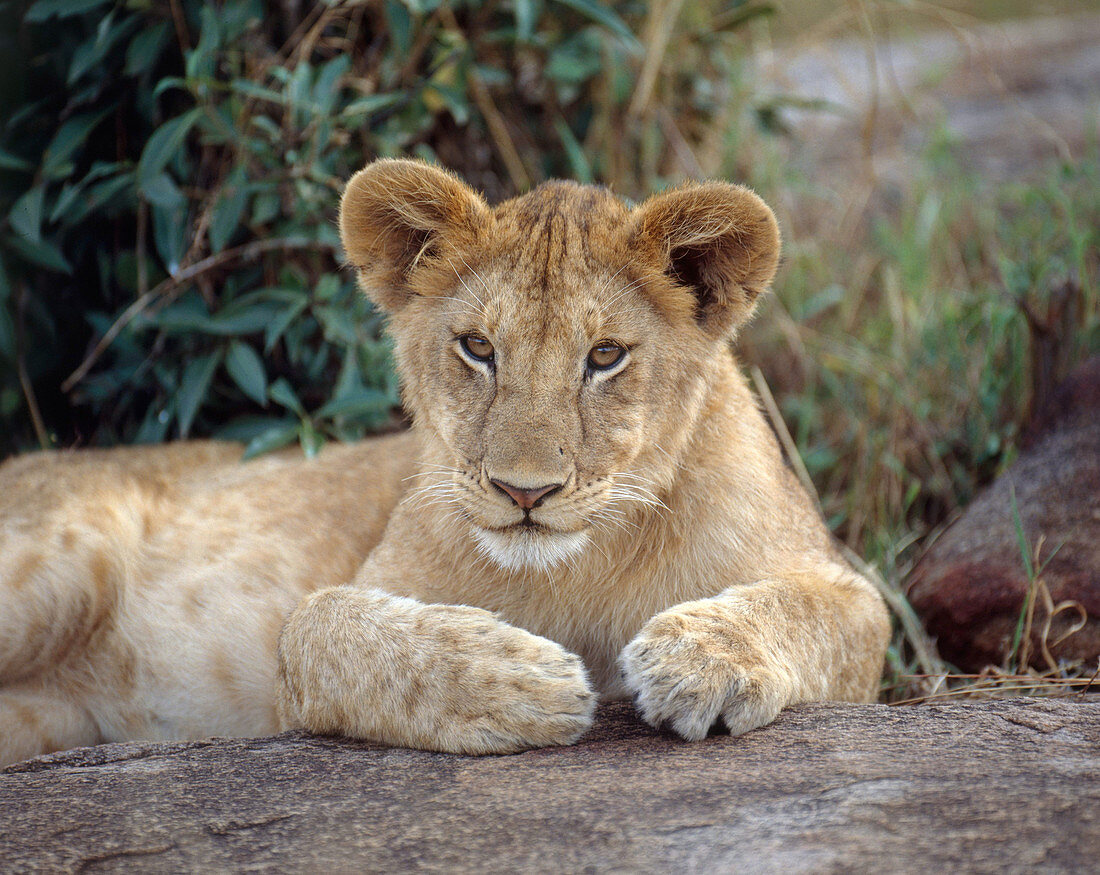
point(555, 349)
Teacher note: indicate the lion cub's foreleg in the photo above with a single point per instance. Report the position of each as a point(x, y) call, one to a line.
point(363, 663)
point(754, 649)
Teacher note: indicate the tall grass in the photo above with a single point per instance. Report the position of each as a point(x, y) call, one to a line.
point(905, 349)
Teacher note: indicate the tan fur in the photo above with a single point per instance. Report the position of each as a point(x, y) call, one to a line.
point(677, 560)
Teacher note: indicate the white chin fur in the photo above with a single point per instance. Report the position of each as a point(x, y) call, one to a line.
point(521, 549)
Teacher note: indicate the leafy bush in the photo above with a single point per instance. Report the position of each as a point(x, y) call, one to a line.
point(169, 174)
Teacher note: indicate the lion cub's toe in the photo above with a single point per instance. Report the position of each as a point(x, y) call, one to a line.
point(522, 692)
point(687, 670)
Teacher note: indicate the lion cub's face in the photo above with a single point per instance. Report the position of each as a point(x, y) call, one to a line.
point(555, 348)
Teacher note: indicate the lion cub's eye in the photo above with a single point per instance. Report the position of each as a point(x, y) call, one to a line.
point(477, 347)
point(605, 355)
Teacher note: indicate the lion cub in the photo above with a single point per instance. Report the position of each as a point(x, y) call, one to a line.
point(589, 504)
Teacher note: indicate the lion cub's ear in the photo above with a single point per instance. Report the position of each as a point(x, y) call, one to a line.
point(398, 216)
point(719, 240)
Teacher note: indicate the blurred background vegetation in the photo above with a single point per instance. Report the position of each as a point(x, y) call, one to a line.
point(169, 263)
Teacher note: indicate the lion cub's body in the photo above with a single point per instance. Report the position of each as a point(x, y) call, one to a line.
point(144, 589)
point(146, 592)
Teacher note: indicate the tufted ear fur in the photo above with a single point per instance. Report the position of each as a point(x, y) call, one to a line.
point(398, 216)
point(718, 240)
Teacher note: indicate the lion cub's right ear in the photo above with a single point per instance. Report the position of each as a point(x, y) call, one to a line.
point(397, 217)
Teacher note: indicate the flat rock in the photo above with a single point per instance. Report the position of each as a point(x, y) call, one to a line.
point(970, 585)
point(993, 786)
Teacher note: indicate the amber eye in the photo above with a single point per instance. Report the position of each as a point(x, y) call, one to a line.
point(477, 347)
point(605, 355)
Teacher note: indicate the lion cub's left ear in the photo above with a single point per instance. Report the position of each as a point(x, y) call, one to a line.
point(718, 240)
point(399, 218)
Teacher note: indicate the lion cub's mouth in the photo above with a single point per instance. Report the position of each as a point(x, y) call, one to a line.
point(529, 545)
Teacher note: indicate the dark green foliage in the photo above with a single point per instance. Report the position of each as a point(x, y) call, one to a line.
point(169, 175)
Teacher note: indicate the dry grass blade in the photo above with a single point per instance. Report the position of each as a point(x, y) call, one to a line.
point(996, 683)
point(923, 648)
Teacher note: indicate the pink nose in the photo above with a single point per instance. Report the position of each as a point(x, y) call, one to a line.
point(525, 498)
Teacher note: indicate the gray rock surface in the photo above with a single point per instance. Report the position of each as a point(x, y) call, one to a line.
point(992, 786)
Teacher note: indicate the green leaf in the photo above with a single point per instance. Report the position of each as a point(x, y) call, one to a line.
point(154, 427)
point(400, 26)
point(310, 439)
point(194, 385)
point(67, 140)
point(328, 288)
point(252, 89)
point(297, 89)
point(26, 214)
point(228, 210)
point(43, 9)
point(243, 318)
point(247, 370)
point(371, 104)
point(145, 49)
point(202, 60)
point(71, 205)
point(358, 402)
point(40, 252)
point(605, 15)
point(99, 195)
point(281, 393)
point(163, 145)
point(272, 439)
point(245, 428)
point(169, 82)
point(326, 89)
point(10, 161)
point(280, 323)
point(239, 16)
point(265, 207)
point(575, 59)
point(170, 234)
point(92, 52)
point(338, 325)
point(163, 191)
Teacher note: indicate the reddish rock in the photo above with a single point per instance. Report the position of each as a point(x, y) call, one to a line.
point(970, 586)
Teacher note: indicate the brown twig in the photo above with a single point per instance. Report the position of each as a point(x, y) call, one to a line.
point(21, 364)
point(140, 245)
point(173, 285)
point(182, 35)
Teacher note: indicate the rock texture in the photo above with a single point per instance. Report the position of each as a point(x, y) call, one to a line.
point(995, 786)
point(969, 587)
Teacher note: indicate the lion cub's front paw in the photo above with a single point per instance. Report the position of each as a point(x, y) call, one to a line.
point(438, 677)
point(513, 690)
point(692, 664)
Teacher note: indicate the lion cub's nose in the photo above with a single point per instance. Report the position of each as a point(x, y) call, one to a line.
point(526, 498)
